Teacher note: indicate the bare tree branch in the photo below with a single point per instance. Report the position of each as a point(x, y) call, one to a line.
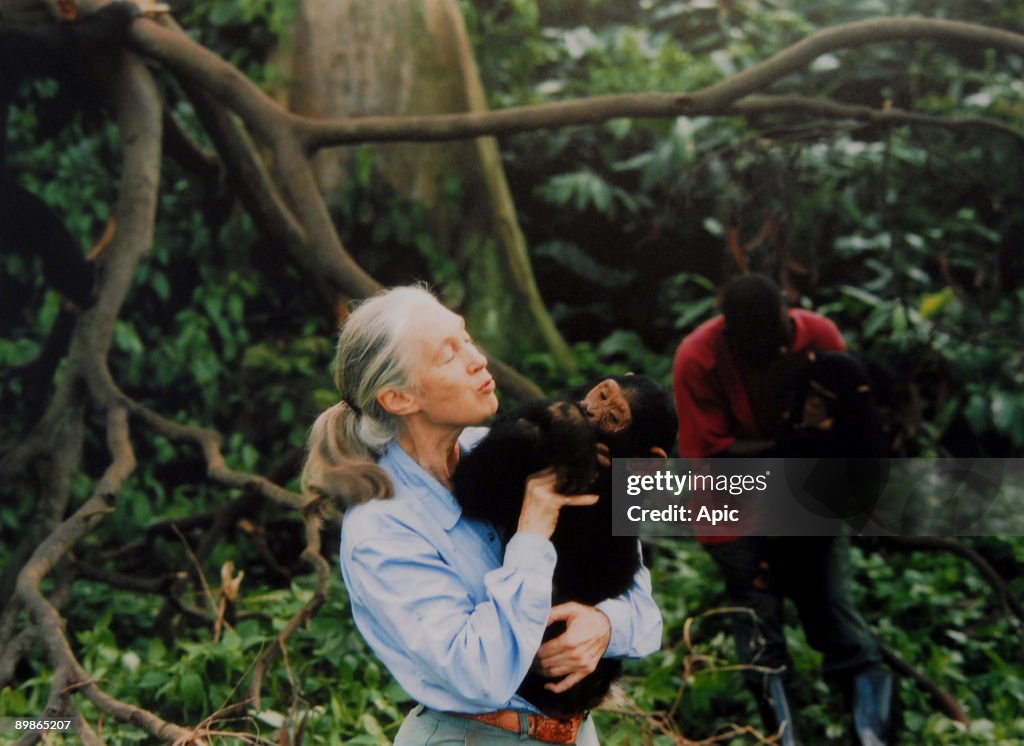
point(890, 117)
point(947, 704)
point(722, 98)
point(218, 470)
point(299, 218)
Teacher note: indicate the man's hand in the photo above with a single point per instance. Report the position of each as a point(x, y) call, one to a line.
point(576, 652)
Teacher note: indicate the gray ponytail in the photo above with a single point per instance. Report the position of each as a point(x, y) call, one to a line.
point(346, 440)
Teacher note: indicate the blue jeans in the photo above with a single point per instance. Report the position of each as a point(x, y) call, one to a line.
point(814, 571)
point(423, 727)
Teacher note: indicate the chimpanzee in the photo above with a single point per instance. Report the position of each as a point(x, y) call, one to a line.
point(620, 417)
point(55, 50)
point(834, 414)
point(834, 418)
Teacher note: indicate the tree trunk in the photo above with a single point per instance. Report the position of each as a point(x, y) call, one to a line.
point(352, 58)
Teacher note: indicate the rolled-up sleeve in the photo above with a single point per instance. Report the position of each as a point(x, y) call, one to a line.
point(635, 619)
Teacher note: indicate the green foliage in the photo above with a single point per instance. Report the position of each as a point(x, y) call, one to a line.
point(245, 32)
point(912, 234)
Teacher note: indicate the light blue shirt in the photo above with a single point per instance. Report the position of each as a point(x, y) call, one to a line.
point(457, 623)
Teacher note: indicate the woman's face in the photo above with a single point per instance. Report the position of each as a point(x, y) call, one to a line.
point(452, 385)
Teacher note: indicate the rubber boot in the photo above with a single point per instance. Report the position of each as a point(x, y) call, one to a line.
point(873, 699)
point(775, 710)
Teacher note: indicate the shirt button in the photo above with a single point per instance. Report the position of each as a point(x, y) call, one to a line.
point(490, 536)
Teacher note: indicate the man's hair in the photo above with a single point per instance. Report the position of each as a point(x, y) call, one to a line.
point(755, 327)
point(748, 300)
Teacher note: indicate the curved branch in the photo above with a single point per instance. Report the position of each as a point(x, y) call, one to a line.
point(847, 35)
point(946, 702)
point(249, 177)
point(139, 115)
point(891, 117)
point(717, 99)
point(300, 221)
point(48, 621)
point(218, 470)
point(273, 126)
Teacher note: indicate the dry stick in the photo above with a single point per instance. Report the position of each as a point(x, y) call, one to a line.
point(946, 702)
point(85, 732)
point(312, 555)
point(691, 670)
point(199, 571)
point(125, 581)
point(660, 723)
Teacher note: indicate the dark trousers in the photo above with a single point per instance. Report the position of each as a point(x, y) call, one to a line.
point(814, 572)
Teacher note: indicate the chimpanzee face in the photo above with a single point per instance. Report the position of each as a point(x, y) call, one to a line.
point(607, 408)
point(817, 409)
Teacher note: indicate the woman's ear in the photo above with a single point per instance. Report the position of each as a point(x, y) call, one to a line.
point(397, 401)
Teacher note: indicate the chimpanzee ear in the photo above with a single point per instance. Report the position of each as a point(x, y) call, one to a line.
point(529, 429)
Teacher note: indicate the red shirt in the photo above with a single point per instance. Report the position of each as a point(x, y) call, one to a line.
point(718, 403)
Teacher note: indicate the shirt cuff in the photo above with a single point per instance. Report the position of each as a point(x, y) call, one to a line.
point(618, 611)
point(531, 552)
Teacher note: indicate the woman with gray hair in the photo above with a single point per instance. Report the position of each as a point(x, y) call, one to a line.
point(456, 621)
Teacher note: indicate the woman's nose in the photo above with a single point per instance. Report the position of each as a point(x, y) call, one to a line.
point(477, 359)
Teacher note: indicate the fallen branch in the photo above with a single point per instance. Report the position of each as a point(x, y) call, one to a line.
point(945, 701)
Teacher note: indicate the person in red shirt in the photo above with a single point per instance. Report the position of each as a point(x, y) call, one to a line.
point(734, 379)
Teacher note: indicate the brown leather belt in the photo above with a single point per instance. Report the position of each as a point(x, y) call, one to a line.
point(537, 727)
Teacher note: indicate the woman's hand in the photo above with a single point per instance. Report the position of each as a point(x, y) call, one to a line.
point(541, 504)
point(577, 651)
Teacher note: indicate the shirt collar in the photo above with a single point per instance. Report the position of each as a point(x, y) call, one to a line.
point(436, 499)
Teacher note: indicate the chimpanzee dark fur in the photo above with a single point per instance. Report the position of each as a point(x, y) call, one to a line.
point(592, 564)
